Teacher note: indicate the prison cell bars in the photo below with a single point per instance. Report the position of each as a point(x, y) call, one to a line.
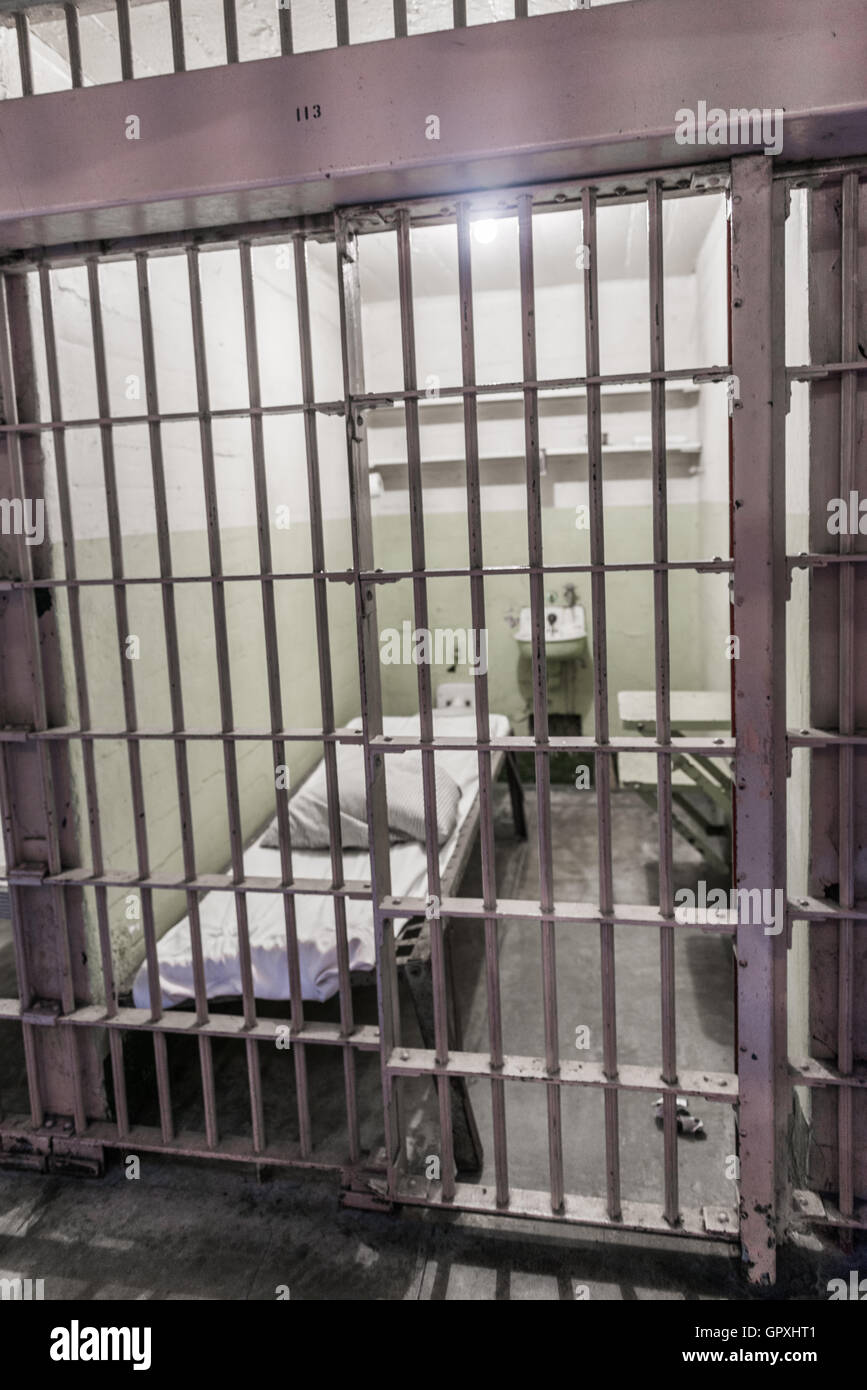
point(663, 744)
point(57, 878)
point(81, 679)
point(275, 704)
point(426, 731)
point(127, 685)
point(642, 1079)
point(663, 690)
point(176, 29)
point(367, 636)
point(46, 781)
point(836, 189)
point(483, 721)
point(846, 709)
point(601, 757)
point(176, 696)
point(540, 694)
point(318, 560)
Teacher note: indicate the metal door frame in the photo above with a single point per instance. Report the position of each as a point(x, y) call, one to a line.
point(34, 735)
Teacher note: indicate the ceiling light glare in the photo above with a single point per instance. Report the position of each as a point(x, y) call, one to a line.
point(485, 232)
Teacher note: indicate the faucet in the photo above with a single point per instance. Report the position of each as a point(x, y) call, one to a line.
point(570, 594)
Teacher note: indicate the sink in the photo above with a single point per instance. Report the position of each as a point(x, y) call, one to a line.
point(565, 633)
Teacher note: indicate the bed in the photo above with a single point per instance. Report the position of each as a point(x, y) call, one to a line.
point(315, 916)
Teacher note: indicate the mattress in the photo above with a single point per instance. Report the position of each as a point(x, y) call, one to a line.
point(317, 944)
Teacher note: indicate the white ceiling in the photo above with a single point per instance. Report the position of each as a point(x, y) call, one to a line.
point(621, 248)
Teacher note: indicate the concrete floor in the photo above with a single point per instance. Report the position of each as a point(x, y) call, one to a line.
point(192, 1231)
point(233, 1236)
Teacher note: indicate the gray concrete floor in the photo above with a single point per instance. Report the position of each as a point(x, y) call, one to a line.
point(191, 1231)
point(188, 1230)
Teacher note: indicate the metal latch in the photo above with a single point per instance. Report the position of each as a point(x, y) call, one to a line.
point(28, 874)
point(44, 1012)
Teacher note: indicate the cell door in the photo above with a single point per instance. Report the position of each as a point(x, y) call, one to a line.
point(528, 425)
point(485, 431)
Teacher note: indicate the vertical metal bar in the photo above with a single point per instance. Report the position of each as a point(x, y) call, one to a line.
point(459, 14)
point(662, 664)
point(206, 1069)
point(77, 637)
point(400, 30)
point(371, 691)
point(173, 660)
point(275, 694)
point(483, 728)
point(320, 596)
point(124, 34)
point(341, 15)
point(176, 19)
point(127, 685)
point(218, 596)
point(846, 711)
point(420, 607)
point(758, 360)
point(230, 28)
point(56, 979)
point(521, 9)
point(540, 693)
point(25, 61)
point(73, 39)
point(285, 15)
point(600, 701)
point(121, 1110)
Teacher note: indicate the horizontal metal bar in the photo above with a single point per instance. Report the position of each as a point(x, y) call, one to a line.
point(696, 375)
point(267, 1030)
point(234, 412)
point(825, 369)
point(804, 175)
point(818, 1210)
point(810, 1071)
point(15, 734)
point(820, 910)
point(647, 1217)
point(711, 1086)
point(716, 747)
point(715, 566)
point(518, 743)
point(214, 237)
point(819, 560)
point(187, 1144)
point(577, 913)
point(207, 883)
point(823, 738)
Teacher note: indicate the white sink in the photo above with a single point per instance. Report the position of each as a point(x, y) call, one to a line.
point(565, 632)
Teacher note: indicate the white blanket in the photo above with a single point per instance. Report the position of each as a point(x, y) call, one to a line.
point(317, 944)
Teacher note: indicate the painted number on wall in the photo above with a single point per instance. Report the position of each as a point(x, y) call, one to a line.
point(308, 113)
